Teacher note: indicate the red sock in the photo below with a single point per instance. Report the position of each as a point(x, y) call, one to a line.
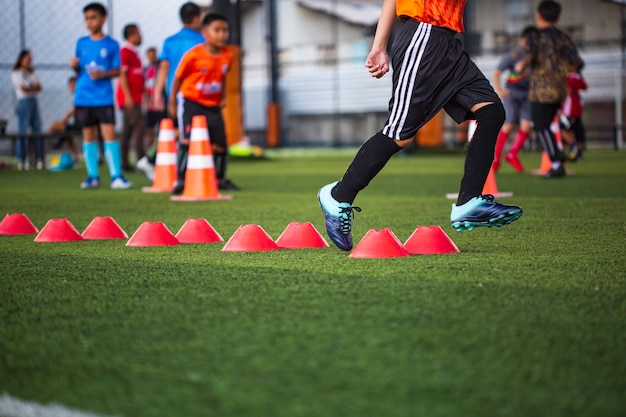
point(520, 139)
point(500, 143)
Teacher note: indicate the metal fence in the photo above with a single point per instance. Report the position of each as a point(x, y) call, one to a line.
point(328, 86)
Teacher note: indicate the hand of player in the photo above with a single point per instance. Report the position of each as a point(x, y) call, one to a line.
point(158, 102)
point(74, 62)
point(377, 62)
point(58, 126)
point(503, 93)
point(172, 109)
point(129, 104)
point(96, 75)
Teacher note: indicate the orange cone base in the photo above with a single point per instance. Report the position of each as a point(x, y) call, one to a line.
point(17, 224)
point(301, 235)
point(430, 240)
point(152, 234)
point(156, 190)
point(103, 228)
point(198, 231)
point(58, 230)
point(250, 238)
point(379, 244)
point(200, 198)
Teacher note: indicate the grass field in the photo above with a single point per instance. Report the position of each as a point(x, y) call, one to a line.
point(528, 320)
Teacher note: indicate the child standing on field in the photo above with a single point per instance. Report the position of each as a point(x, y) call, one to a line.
point(129, 95)
point(200, 78)
point(97, 61)
point(571, 120)
point(551, 54)
point(431, 72)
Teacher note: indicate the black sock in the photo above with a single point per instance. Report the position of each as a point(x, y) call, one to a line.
point(220, 159)
point(183, 150)
point(489, 120)
point(368, 162)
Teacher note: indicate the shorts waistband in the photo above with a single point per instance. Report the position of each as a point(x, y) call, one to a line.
point(435, 30)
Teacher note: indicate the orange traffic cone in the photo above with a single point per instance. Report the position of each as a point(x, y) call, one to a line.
point(200, 179)
point(491, 186)
point(165, 164)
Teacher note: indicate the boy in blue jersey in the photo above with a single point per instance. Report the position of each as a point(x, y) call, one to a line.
point(97, 61)
point(174, 47)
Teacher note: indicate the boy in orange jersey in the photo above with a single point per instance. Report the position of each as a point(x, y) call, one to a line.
point(198, 89)
point(431, 72)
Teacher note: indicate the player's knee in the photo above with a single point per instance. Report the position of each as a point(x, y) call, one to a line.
point(389, 145)
point(491, 113)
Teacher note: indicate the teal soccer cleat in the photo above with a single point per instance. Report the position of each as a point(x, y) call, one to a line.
point(337, 217)
point(483, 211)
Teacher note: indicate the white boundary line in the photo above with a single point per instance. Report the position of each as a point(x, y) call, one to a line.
point(14, 407)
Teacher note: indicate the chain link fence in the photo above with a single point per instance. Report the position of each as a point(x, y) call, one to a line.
point(321, 73)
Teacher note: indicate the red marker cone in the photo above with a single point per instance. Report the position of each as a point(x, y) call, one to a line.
point(301, 235)
point(165, 163)
point(58, 230)
point(430, 240)
point(152, 234)
point(17, 224)
point(200, 179)
point(198, 231)
point(379, 244)
point(103, 228)
point(250, 238)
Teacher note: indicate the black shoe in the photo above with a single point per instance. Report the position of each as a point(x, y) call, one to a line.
point(226, 184)
point(555, 173)
point(178, 188)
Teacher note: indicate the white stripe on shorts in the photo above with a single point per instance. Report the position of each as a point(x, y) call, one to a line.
point(406, 81)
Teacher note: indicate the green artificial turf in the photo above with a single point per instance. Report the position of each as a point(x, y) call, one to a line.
point(527, 320)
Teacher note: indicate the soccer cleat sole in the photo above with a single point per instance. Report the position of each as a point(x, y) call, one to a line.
point(502, 220)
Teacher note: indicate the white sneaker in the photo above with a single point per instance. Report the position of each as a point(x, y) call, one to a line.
point(26, 166)
point(120, 183)
point(20, 166)
point(146, 168)
point(39, 165)
point(90, 183)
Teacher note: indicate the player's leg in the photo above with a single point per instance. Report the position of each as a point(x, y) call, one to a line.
point(478, 99)
point(503, 138)
point(414, 57)
point(86, 121)
point(137, 132)
point(112, 151)
point(186, 110)
point(124, 140)
point(542, 116)
point(22, 145)
point(511, 110)
point(473, 209)
point(217, 132)
point(525, 125)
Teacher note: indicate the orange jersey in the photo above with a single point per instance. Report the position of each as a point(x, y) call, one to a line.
point(444, 13)
point(202, 75)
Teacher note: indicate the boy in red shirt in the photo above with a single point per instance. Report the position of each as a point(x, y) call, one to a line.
point(129, 95)
point(198, 89)
point(572, 127)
